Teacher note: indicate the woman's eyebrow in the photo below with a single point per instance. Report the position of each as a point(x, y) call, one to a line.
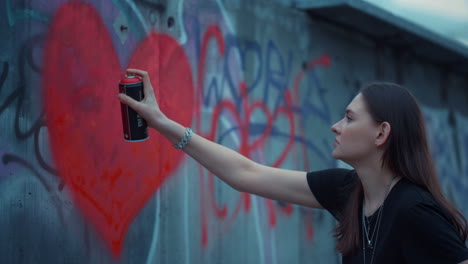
point(349, 111)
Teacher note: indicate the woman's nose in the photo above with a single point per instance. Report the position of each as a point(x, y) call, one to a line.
point(334, 128)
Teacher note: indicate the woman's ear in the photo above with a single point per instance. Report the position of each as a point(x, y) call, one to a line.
point(384, 134)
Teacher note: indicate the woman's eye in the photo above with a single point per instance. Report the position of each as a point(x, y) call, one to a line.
point(348, 118)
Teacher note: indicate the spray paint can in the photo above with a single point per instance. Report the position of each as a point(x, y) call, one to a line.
point(135, 127)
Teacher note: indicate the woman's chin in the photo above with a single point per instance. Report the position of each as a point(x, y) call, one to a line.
point(335, 154)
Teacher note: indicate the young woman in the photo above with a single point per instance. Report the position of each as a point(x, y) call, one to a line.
point(390, 208)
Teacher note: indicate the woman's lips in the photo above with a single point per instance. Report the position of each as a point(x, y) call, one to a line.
point(336, 143)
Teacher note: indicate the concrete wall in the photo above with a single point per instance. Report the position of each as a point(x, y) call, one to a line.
point(257, 77)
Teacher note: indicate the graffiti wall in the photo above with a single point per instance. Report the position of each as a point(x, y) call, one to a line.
point(260, 78)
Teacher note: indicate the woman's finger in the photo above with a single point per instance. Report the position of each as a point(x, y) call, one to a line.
point(148, 88)
point(132, 103)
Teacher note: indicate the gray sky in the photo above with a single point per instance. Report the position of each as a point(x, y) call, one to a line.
point(446, 17)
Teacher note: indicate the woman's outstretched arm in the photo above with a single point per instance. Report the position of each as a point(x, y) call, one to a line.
point(233, 168)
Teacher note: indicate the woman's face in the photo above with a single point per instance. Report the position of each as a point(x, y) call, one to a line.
point(355, 133)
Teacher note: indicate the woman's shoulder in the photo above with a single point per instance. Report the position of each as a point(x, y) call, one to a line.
point(335, 178)
point(413, 201)
point(424, 229)
point(410, 194)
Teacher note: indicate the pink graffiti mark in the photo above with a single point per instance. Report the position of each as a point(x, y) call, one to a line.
point(212, 32)
point(325, 61)
point(110, 179)
point(308, 225)
point(246, 148)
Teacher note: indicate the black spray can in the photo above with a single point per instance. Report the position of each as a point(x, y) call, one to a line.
point(134, 126)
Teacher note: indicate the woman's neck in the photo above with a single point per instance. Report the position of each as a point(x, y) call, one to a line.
point(375, 182)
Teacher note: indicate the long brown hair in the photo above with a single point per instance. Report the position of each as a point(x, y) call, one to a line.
point(406, 154)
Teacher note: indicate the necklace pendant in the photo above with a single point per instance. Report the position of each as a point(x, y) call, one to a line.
point(369, 243)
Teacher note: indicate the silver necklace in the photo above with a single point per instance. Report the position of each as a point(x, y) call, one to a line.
point(366, 228)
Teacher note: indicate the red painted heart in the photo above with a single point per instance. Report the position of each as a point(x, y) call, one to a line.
point(110, 179)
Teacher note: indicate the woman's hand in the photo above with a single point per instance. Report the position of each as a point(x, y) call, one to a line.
point(148, 108)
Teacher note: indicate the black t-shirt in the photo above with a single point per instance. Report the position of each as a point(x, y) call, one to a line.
point(413, 228)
